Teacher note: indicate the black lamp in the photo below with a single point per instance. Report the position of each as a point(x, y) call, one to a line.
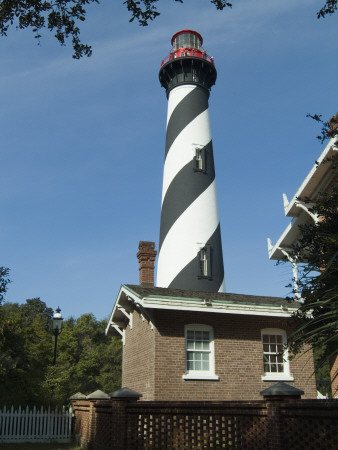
point(57, 324)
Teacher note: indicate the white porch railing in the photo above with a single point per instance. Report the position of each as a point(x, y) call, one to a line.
point(34, 425)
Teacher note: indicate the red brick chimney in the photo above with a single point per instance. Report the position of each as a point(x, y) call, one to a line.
point(146, 257)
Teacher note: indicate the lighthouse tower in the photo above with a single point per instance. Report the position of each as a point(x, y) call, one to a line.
point(190, 248)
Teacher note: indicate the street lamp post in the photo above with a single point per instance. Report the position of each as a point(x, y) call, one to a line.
point(57, 324)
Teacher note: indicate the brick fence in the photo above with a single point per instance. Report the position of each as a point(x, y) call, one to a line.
point(277, 422)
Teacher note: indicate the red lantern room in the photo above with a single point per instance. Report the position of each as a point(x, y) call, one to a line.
point(187, 63)
point(186, 38)
point(187, 43)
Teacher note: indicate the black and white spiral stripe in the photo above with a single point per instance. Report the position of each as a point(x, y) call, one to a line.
point(189, 216)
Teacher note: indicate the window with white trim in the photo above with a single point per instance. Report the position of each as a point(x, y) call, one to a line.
point(275, 356)
point(199, 352)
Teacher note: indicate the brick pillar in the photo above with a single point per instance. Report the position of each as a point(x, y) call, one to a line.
point(275, 396)
point(146, 257)
point(80, 408)
point(118, 424)
point(275, 438)
point(91, 426)
point(119, 402)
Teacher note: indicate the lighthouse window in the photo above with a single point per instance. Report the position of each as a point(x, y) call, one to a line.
point(204, 262)
point(200, 160)
point(186, 40)
point(199, 350)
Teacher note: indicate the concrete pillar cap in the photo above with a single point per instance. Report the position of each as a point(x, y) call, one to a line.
point(77, 396)
point(97, 395)
point(125, 393)
point(282, 389)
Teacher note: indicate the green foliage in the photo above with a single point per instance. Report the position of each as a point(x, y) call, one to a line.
point(4, 280)
point(322, 371)
point(317, 317)
point(26, 350)
point(329, 8)
point(329, 128)
point(87, 359)
point(59, 16)
point(63, 17)
point(145, 10)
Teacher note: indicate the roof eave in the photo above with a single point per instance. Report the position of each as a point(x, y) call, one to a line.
point(316, 180)
point(288, 238)
point(218, 306)
point(118, 317)
point(117, 323)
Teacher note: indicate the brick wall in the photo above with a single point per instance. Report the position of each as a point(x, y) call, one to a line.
point(138, 361)
point(124, 424)
point(81, 410)
point(154, 360)
point(334, 376)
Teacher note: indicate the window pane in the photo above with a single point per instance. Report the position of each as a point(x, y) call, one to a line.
point(190, 335)
point(198, 335)
point(198, 365)
point(190, 365)
point(198, 356)
point(190, 345)
point(198, 345)
point(206, 335)
point(205, 365)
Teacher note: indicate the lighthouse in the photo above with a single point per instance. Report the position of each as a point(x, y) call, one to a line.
point(190, 247)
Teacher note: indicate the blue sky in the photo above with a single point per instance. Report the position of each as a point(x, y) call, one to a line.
point(82, 143)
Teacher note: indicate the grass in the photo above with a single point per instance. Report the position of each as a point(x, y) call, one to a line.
point(33, 446)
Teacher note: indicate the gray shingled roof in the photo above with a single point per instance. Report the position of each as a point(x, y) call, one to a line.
point(215, 296)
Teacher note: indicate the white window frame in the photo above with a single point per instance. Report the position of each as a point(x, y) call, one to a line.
point(277, 376)
point(200, 374)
